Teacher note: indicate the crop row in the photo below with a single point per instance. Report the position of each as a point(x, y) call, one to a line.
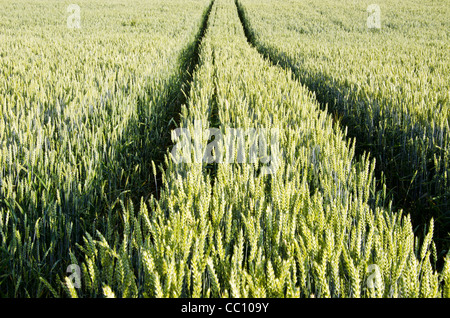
point(315, 226)
point(390, 86)
point(83, 112)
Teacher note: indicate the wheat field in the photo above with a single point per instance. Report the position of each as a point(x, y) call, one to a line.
point(232, 149)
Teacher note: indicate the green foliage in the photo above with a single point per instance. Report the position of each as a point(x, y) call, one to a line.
point(82, 116)
point(390, 87)
point(311, 229)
